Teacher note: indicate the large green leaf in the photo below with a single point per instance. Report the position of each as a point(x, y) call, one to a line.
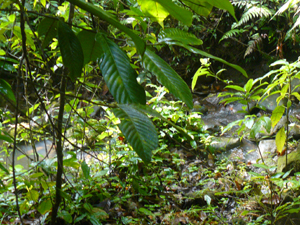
point(70, 49)
point(202, 8)
point(223, 4)
point(118, 74)
point(6, 90)
point(179, 13)
point(174, 34)
point(200, 52)
point(277, 114)
point(102, 14)
point(154, 10)
point(138, 130)
point(47, 27)
point(148, 110)
point(91, 48)
point(167, 77)
point(280, 139)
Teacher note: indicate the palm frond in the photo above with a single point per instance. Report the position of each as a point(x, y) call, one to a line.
point(252, 12)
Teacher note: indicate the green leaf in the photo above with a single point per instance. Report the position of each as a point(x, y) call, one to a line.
point(261, 166)
point(6, 90)
point(102, 14)
point(118, 74)
point(203, 8)
point(148, 110)
point(154, 10)
point(277, 115)
point(167, 77)
point(32, 195)
point(47, 27)
point(70, 49)
point(85, 169)
point(45, 206)
point(224, 4)
point(235, 87)
point(138, 130)
point(297, 95)
point(65, 216)
point(91, 48)
point(248, 85)
point(174, 34)
point(200, 72)
point(3, 168)
point(179, 13)
point(207, 55)
point(280, 139)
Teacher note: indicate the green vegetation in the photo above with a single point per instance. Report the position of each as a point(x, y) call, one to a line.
point(98, 126)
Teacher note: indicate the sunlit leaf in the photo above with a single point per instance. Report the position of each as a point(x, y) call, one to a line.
point(179, 13)
point(154, 10)
point(277, 114)
point(280, 139)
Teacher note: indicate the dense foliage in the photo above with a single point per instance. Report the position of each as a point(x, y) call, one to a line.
point(93, 79)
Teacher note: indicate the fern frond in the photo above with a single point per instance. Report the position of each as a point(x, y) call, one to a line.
point(297, 23)
point(232, 33)
point(289, 4)
point(254, 11)
point(256, 39)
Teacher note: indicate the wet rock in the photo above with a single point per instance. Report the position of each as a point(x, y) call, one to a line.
point(199, 108)
point(270, 102)
point(294, 131)
point(293, 162)
point(224, 143)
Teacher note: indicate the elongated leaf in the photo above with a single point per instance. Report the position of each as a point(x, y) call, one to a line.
point(148, 110)
point(202, 8)
point(86, 170)
point(91, 48)
point(248, 85)
point(118, 74)
point(277, 114)
point(154, 10)
point(6, 138)
point(174, 34)
point(102, 14)
point(235, 87)
point(181, 14)
point(167, 77)
point(47, 27)
point(138, 130)
point(70, 49)
point(6, 90)
point(280, 139)
point(197, 51)
point(224, 4)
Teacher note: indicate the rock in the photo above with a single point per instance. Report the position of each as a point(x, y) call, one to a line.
point(267, 148)
point(270, 102)
point(224, 143)
point(293, 162)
